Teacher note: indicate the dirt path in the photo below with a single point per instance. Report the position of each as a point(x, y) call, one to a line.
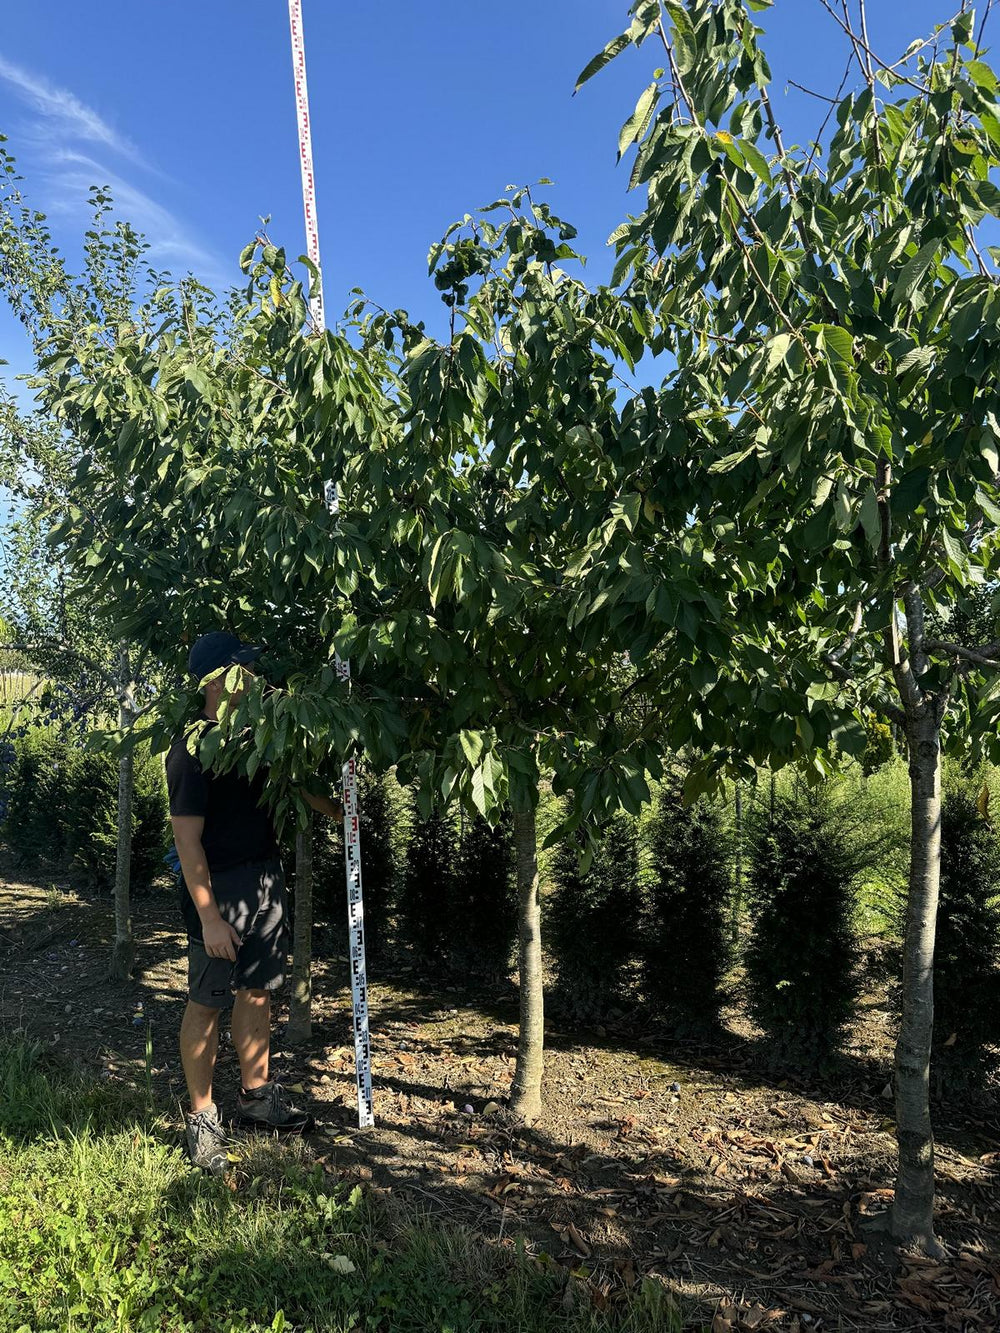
point(743, 1195)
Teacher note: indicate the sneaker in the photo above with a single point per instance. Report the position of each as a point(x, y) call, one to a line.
point(208, 1145)
point(269, 1108)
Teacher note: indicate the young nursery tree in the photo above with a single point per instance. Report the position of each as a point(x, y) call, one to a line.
point(836, 308)
point(471, 475)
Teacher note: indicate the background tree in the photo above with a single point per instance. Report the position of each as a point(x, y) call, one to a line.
point(427, 888)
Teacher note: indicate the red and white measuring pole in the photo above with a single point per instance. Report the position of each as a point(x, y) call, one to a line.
point(352, 834)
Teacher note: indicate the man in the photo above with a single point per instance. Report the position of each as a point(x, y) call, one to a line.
point(235, 908)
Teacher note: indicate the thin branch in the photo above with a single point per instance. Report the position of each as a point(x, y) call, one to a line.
point(747, 216)
point(837, 653)
point(890, 711)
point(834, 104)
point(970, 237)
point(821, 97)
point(928, 41)
point(982, 26)
point(785, 169)
point(869, 72)
point(856, 39)
point(841, 673)
point(883, 478)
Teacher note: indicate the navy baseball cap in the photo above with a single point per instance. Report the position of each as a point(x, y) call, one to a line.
point(219, 649)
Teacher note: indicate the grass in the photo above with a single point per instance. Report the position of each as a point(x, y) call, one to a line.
point(106, 1228)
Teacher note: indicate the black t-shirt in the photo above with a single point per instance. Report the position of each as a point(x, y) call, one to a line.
point(238, 826)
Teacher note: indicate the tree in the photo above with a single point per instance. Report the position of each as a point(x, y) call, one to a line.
point(471, 476)
point(41, 606)
point(833, 312)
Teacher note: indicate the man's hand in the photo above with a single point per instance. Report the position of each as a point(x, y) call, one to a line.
point(326, 805)
point(221, 939)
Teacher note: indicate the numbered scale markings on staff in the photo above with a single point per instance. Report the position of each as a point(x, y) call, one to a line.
point(352, 832)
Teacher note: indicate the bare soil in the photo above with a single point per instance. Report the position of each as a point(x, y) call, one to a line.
point(749, 1194)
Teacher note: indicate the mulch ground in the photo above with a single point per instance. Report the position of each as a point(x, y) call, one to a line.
point(744, 1193)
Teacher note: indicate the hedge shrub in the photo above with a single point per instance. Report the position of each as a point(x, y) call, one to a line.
point(802, 979)
point(424, 917)
point(967, 953)
point(592, 924)
point(483, 917)
point(63, 804)
point(686, 944)
point(36, 796)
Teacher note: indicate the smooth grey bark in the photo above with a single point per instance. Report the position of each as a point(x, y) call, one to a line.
point(737, 912)
point(912, 1220)
point(300, 1006)
point(123, 949)
point(526, 1089)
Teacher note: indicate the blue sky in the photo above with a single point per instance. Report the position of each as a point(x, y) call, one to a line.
point(421, 112)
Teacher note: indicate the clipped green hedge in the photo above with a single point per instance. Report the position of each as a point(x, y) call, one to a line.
point(686, 947)
point(967, 953)
point(592, 924)
point(62, 805)
point(802, 979)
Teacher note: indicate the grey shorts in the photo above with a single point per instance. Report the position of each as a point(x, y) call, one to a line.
point(254, 900)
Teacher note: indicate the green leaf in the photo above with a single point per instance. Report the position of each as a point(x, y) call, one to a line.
point(954, 550)
point(479, 791)
point(916, 357)
point(842, 507)
point(838, 342)
point(614, 48)
point(636, 124)
point(756, 160)
point(912, 272)
point(777, 350)
point(870, 519)
point(472, 745)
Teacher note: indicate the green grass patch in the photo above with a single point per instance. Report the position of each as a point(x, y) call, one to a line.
point(105, 1227)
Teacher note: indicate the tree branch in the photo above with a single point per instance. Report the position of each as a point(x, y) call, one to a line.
point(986, 656)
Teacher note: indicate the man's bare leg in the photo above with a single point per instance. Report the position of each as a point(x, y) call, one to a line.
point(251, 1030)
point(199, 1046)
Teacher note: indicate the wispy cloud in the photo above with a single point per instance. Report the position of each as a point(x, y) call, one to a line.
point(170, 243)
point(61, 130)
point(73, 117)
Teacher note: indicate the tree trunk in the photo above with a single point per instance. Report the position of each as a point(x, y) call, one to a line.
point(526, 1090)
point(737, 909)
point(300, 1008)
point(912, 1219)
point(123, 950)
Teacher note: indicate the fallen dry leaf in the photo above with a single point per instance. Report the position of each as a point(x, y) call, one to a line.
point(578, 1240)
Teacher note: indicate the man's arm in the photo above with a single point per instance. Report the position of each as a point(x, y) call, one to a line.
point(326, 805)
point(221, 940)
